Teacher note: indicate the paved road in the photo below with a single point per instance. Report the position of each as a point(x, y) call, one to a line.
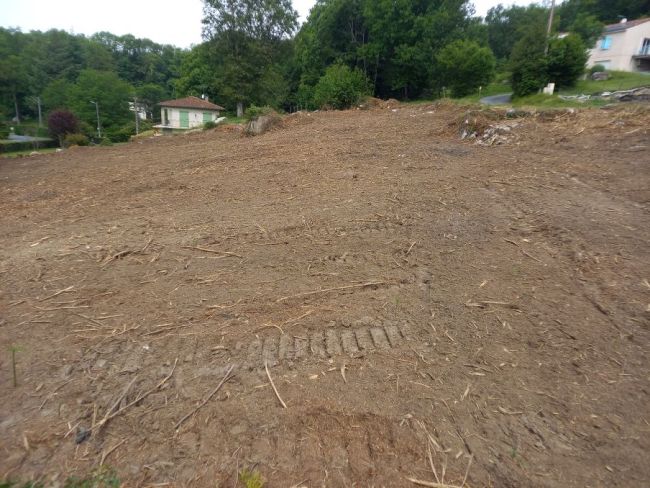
point(502, 99)
point(16, 137)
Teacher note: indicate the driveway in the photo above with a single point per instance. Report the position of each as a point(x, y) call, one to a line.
point(502, 99)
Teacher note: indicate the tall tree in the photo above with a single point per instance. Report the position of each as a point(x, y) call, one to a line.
point(528, 63)
point(246, 42)
point(13, 72)
point(394, 42)
point(109, 91)
point(507, 25)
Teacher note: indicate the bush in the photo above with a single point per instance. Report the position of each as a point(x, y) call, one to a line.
point(567, 58)
point(75, 140)
point(254, 112)
point(597, 68)
point(305, 97)
point(528, 64)
point(210, 124)
point(105, 142)
point(341, 87)
point(465, 65)
point(4, 130)
point(61, 123)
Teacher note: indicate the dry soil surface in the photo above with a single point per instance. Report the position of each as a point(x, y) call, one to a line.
point(421, 304)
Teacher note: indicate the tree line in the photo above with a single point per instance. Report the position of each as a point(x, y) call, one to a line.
point(56, 69)
point(255, 53)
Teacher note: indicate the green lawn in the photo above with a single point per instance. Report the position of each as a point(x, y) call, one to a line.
point(496, 88)
point(16, 154)
point(540, 100)
point(232, 119)
point(619, 80)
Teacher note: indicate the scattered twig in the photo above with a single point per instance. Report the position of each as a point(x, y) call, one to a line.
point(213, 251)
point(146, 246)
point(505, 411)
point(226, 377)
point(431, 484)
point(42, 239)
point(222, 307)
point(409, 250)
point(532, 257)
point(485, 303)
point(115, 256)
point(90, 319)
point(266, 367)
point(65, 290)
point(327, 290)
point(69, 307)
point(107, 453)
point(297, 485)
point(469, 463)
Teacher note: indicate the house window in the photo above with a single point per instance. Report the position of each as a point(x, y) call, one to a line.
point(166, 117)
point(606, 43)
point(645, 48)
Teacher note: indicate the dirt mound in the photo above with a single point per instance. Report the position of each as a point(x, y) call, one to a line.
point(262, 124)
point(372, 103)
point(299, 118)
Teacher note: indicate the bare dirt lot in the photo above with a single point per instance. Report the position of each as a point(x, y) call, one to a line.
point(419, 302)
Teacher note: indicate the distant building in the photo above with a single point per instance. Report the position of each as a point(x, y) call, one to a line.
point(187, 113)
point(624, 46)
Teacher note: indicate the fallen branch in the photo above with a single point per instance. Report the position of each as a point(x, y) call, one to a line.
point(207, 399)
point(115, 405)
point(139, 398)
point(327, 290)
point(284, 405)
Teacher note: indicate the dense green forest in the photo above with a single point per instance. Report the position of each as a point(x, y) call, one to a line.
point(255, 53)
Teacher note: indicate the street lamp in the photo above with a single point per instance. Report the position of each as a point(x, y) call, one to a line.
point(99, 127)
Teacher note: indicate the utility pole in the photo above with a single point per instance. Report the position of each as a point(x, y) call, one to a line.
point(137, 115)
point(99, 126)
point(40, 114)
point(550, 26)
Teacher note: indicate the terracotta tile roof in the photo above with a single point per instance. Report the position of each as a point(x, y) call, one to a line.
point(621, 26)
point(191, 102)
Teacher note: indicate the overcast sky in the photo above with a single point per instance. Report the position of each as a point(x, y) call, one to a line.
point(175, 22)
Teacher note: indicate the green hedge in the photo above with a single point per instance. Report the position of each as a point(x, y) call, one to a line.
point(14, 146)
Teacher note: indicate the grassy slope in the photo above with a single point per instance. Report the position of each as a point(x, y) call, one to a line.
point(619, 80)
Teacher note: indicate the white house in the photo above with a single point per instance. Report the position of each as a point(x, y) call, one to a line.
point(187, 113)
point(624, 46)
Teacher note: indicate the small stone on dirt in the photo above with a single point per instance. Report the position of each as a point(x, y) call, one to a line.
point(82, 435)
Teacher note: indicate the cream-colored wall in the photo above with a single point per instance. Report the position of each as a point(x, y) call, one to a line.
point(196, 117)
point(624, 45)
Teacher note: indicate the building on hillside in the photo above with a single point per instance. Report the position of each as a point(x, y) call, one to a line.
point(624, 46)
point(187, 113)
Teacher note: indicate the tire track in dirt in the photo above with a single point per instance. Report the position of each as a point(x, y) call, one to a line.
point(320, 344)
